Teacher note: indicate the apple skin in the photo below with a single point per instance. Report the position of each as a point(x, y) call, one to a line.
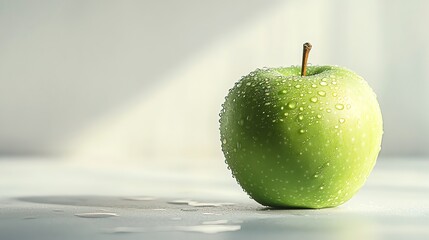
point(301, 142)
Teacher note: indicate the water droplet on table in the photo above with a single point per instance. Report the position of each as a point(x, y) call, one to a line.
point(180, 202)
point(189, 209)
point(128, 230)
point(96, 215)
point(210, 213)
point(215, 222)
point(207, 204)
point(209, 229)
point(143, 198)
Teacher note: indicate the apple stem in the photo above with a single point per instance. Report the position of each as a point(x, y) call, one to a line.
point(305, 52)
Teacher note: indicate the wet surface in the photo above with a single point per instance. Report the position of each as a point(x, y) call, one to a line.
point(98, 217)
point(393, 205)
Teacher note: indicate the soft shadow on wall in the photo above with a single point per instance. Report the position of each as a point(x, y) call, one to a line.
point(143, 80)
point(66, 64)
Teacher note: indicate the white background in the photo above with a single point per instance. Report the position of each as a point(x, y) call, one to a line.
point(145, 79)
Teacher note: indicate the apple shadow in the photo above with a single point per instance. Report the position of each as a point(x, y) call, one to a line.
point(137, 202)
point(98, 201)
point(266, 208)
point(148, 202)
point(293, 223)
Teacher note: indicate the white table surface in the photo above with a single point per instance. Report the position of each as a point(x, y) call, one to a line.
point(43, 199)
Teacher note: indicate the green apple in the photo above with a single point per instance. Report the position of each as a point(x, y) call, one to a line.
point(301, 137)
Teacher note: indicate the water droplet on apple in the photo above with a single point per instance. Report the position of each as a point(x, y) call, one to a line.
point(321, 93)
point(319, 116)
point(267, 103)
point(297, 86)
point(248, 83)
point(291, 105)
point(323, 83)
point(334, 94)
point(240, 122)
point(284, 91)
point(302, 131)
point(313, 99)
point(224, 141)
point(328, 110)
point(348, 106)
point(301, 108)
point(341, 120)
point(339, 106)
point(313, 85)
point(300, 117)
